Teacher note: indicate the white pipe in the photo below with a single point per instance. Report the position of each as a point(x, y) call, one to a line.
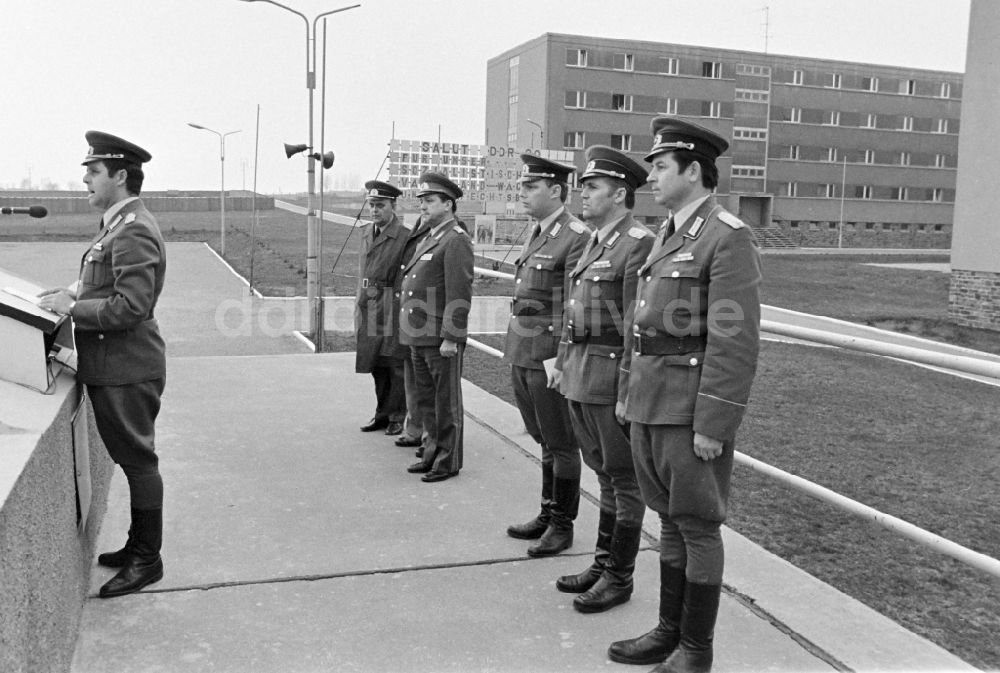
point(960, 363)
point(985, 563)
point(489, 350)
point(493, 274)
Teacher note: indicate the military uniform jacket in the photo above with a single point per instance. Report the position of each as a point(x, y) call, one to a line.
point(436, 290)
point(121, 276)
point(377, 308)
point(541, 281)
point(603, 285)
point(692, 351)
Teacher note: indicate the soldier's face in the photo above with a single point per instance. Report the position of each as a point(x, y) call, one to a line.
point(598, 197)
point(536, 198)
point(671, 186)
point(103, 187)
point(381, 211)
point(434, 209)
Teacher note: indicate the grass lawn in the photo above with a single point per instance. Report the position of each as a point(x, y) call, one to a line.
point(915, 444)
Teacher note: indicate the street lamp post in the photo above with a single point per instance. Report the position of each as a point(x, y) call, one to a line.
point(313, 296)
point(541, 132)
point(222, 187)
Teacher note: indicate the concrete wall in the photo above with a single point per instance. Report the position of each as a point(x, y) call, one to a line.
point(76, 202)
point(45, 563)
point(975, 263)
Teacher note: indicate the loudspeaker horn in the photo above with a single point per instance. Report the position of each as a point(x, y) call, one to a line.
point(294, 149)
point(327, 158)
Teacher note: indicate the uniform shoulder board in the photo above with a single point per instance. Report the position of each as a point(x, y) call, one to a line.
point(578, 226)
point(459, 229)
point(129, 218)
point(731, 220)
point(639, 232)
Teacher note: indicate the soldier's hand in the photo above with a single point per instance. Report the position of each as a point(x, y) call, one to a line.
point(620, 413)
point(59, 302)
point(46, 293)
point(555, 378)
point(449, 349)
point(706, 448)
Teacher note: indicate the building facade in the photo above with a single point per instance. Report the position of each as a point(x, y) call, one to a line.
point(821, 152)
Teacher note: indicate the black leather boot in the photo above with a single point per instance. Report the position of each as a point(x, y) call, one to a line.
point(116, 559)
point(144, 565)
point(694, 653)
point(534, 529)
point(656, 645)
point(577, 584)
point(614, 587)
point(559, 535)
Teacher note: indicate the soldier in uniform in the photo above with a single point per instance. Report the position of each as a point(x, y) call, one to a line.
point(436, 294)
point(121, 355)
point(376, 312)
point(600, 304)
point(541, 278)
point(690, 361)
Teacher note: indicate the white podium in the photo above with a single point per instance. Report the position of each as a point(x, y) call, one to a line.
point(34, 342)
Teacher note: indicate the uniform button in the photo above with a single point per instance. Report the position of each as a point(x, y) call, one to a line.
point(694, 361)
point(397, 294)
point(410, 293)
point(642, 302)
point(539, 266)
point(612, 356)
point(402, 266)
point(518, 280)
point(550, 328)
point(596, 278)
point(572, 301)
point(577, 282)
point(411, 310)
point(511, 315)
point(100, 336)
point(675, 274)
point(649, 278)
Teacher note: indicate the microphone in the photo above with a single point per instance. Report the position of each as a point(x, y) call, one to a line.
point(34, 211)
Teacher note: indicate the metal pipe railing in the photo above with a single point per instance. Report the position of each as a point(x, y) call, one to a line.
point(970, 557)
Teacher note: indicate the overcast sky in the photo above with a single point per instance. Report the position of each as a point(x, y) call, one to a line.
point(142, 69)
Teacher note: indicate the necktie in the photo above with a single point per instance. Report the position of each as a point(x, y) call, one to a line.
point(591, 243)
point(535, 230)
point(670, 228)
point(376, 233)
point(666, 231)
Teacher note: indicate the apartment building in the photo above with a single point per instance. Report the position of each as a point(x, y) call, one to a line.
point(824, 152)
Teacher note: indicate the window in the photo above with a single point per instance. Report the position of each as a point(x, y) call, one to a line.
point(831, 118)
point(711, 108)
point(945, 91)
point(869, 225)
point(513, 67)
point(793, 224)
point(904, 158)
point(669, 106)
point(942, 126)
point(748, 69)
point(831, 225)
point(748, 172)
point(898, 194)
point(792, 189)
point(576, 57)
point(938, 227)
point(752, 96)
point(621, 102)
point(869, 157)
point(829, 191)
point(576, 99)
point(797, 77)
point(624, 62)
point(907, 87)
point(793, 152)
point(863, 192)
point(832, 80)
point(939, 161)
point(795, 115)
point(904, 226)
point(623, 142)
point(749, 134)
point(871, 120)
point(711, 69)
point(669, 65)
point(907, 124)
point(574, 140)
point(869, 83)
point(937, 195)
point(831, 154)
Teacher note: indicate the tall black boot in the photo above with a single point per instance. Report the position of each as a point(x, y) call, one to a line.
point(116, 559)
point(615, 584)
point(144, 565)
point(533, 529)
point(694, 653)
point(656, 645)
point(577, 584)
point(559, 534)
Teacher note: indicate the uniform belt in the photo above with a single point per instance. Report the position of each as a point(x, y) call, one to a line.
point(609, 337)
point(529, 308)
point(366, 283)
point(666, 344)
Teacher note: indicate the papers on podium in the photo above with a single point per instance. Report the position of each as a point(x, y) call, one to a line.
point(30, 334)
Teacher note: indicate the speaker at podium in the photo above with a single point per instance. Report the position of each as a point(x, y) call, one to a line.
point(34, 343)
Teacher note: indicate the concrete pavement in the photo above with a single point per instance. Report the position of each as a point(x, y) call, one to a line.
point(296, 543)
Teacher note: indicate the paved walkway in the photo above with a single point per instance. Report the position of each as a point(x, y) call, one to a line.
point(295, 543)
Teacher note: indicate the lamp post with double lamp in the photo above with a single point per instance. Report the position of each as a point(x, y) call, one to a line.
point(313, 296)
point(541, 133)
point(222, 187)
